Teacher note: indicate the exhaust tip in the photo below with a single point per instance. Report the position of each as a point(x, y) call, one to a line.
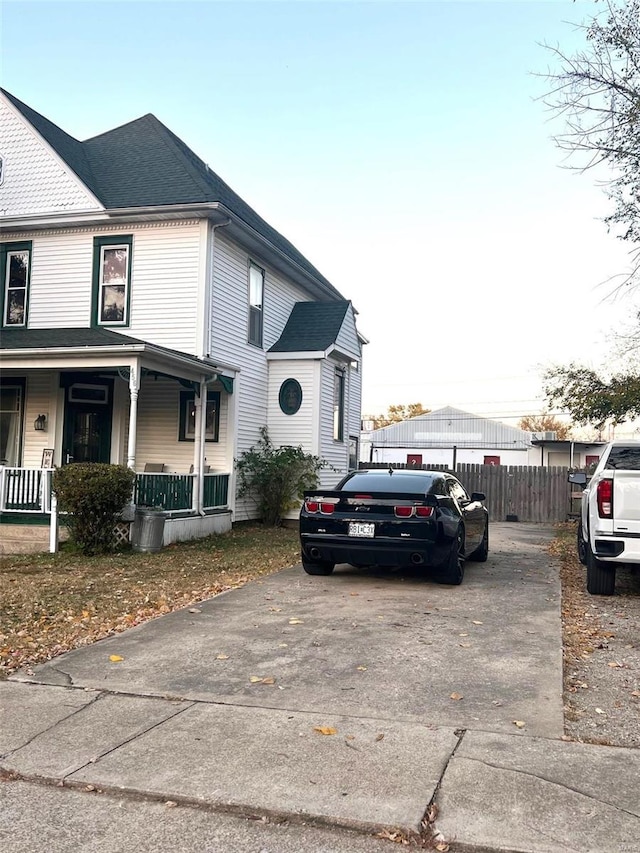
point(314, 553)
point(417, 559)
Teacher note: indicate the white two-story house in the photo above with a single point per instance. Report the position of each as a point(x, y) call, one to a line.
point(149, 317)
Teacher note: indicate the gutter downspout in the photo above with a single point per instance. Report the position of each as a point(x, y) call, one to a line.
point(208, 289)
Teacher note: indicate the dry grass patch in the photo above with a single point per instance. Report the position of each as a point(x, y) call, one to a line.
point(55, 602)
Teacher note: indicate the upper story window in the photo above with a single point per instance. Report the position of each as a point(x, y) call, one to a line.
point(338, 405)
point(256, 296)
point(15, 263)
point(112, 280)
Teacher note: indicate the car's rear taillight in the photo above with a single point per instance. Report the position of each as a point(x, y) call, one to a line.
point(327, 508)
point(311, 506)
point(403, 511)
point(424, 511)
point(604, 496)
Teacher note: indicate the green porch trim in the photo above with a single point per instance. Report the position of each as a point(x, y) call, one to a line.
point(39, 518)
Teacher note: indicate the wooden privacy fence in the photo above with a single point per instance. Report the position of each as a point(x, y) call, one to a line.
point(529, 493)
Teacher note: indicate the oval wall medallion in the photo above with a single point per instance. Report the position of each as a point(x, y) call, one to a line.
point(290, 396)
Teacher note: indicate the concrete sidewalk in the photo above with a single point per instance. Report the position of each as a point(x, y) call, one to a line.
point(329, 701)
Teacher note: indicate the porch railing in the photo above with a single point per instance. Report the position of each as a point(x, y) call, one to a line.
point(29, 490)
point(25, 489)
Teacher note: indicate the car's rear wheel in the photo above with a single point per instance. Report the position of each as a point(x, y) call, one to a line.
point(601, 576)
point(319, 567)
point(482, 551)
point(452, 570)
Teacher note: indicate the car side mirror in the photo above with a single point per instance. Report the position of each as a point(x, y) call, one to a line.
point(478, 496)
point(578, 478)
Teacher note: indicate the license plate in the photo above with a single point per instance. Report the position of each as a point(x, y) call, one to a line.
point(358, 528)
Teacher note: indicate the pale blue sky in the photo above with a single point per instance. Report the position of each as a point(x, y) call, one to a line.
point(401, 146)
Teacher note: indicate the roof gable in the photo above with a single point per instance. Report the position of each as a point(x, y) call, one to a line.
point(144, 164)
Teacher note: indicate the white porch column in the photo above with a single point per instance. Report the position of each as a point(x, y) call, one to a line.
point(134, 388)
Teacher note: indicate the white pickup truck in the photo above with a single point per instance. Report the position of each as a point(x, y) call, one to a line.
point(609, 527)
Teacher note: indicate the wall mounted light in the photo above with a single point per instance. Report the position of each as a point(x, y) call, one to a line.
point(40, 423)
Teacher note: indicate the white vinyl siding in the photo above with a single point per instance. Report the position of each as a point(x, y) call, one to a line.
point(40, 400)
point(61, 270)
point(164, 286)
point(158, 429)
point(300, 428)
point(36, 180)
point(347, 340)
point(229, 329)
point(165, 278)
point(336, 453)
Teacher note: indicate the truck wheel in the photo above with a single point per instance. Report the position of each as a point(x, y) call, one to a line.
point(601, 576)
point(581, 546)
point(322, 567)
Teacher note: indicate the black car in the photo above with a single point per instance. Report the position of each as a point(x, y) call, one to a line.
point(394, 517)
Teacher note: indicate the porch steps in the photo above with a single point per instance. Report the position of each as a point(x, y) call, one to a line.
point(23, 538)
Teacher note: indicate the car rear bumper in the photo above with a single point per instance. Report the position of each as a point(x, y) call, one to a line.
point(373, 552)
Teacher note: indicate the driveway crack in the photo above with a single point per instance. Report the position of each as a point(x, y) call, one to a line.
point(554, 782)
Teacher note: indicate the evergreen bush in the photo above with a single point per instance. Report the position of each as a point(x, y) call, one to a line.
point(276, 477)
point(93, 494)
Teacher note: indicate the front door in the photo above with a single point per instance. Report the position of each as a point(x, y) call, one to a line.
point(87, 423)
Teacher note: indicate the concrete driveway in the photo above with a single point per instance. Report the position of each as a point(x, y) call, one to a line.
point(361, 643)
point(355, 701)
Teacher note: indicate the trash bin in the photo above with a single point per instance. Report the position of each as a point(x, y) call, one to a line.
point(148, 529)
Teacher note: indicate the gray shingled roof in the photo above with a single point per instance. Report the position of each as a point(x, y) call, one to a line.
point(68, 338)
point(143, 164)
point(41, 339)
point(312, 327)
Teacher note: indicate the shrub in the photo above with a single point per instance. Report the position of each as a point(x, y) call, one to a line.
point(276, 477)
point(92, 494)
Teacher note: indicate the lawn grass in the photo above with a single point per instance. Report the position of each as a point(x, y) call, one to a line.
point(50, 603)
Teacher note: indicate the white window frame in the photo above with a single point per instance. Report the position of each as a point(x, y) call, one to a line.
point(109, 247)
point(6, 321)
point(256, 308)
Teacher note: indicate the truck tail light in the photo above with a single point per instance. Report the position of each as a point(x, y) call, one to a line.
point(327, 508)
point(311, 506)
point(604, 496)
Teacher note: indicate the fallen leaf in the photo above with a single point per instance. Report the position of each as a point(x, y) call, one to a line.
point(600, 711)
point(635, 692)
point(456, 696)
point(194, 610)
point(519, 723)
point(325, 730)
point(380, 736)
point(222, 657)
point(465, 645)
point(362, 669)
point(255, 679)
point(475, 622)
point(115, 658)
point(171, 804)
point(615, 664)
point(296, 622)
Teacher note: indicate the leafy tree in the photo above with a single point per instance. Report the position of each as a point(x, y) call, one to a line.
point(597, 93)
point(92, 494)
point(276, 477)
point(397, 413)
point(545, 422)
point(590, 398)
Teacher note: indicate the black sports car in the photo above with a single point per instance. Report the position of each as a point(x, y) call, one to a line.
point(394, 518)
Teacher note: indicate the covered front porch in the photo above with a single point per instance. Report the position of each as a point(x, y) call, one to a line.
point(94, 395)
